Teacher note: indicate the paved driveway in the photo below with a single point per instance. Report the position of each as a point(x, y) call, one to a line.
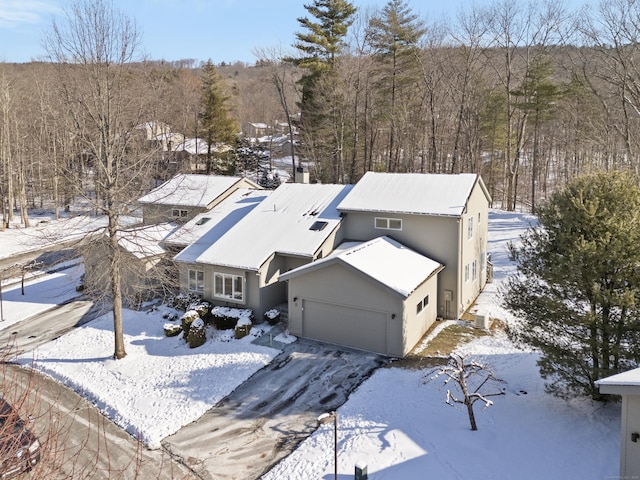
point(266, 418)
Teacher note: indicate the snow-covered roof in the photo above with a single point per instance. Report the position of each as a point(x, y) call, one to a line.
point(383, 259)
point(282, 223)
point(206, 228)
point(414, 193)
point(189, 190)
point(144, 242)
point(621, 383)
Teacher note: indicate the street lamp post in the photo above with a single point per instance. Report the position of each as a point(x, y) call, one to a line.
point(324, 419)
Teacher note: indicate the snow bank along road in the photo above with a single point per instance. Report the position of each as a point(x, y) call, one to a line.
point(266, 418)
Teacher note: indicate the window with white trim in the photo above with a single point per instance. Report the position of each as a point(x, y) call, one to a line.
point(470, 228)
point(474, 270)
point(466, 272)
point(228, 286)
point(388, 223)
point(196, 281)
point(422, 304)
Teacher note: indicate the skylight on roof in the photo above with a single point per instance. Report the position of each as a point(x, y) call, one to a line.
point(317, 226)
point(203, 220)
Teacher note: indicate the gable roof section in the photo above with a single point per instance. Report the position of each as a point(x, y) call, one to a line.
point(145, 241)
point(208, 227)
point(411, 193)
point(191, 190)
point(280, 224)
point(382, 259)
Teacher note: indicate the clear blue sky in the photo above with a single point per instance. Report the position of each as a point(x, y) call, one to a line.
point(221, 30)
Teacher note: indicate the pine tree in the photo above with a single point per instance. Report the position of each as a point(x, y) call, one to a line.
point(320, 45)
point(577, 291)
point(323, 39)
point(220, 129)
point(395, 35)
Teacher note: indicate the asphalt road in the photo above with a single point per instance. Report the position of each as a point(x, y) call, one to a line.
point(78, 442)
point(266, 418)
point(32, 332)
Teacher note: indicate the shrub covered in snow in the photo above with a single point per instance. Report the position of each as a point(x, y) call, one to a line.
point(184, 302)
point(204, 310)
point(187, 320)
point(272, 316)
point(197, 335)
point(225, 318)
point(172, 329)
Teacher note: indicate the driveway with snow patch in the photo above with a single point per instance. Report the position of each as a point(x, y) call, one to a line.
point(266, 418)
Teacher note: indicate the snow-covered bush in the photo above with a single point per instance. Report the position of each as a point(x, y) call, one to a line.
point(204, 311)
point(187, 320)
point(184, 302)
point(172, 329)
point(197, 335)
point(272, 316)
point(225, 318)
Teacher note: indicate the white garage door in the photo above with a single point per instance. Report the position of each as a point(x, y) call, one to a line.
point(354, 327)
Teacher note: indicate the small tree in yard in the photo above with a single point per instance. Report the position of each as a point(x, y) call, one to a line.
point(472, 378)
point(577, 288)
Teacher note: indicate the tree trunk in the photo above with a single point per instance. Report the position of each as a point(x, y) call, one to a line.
point(116, 288)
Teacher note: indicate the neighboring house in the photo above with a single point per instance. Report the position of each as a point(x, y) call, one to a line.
point(144, 270)
point(378, 296)
point(255, 129)
point(627, 384)
point(296, 224)
point(443, 217)
point(184, 196)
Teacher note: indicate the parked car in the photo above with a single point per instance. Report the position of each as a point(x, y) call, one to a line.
point(19, 447)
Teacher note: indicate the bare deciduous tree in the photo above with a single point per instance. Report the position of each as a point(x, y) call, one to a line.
point(93, 48)
point(472, 378)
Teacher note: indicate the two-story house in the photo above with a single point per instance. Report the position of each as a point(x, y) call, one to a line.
point(371, 266)
point(443, 217)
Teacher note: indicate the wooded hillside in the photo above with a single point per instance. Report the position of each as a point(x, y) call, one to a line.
point(528, 95)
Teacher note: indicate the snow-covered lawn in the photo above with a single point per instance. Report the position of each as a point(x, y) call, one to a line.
point(396, 423)
point(161, 384)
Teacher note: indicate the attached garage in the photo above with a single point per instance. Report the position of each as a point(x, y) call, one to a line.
point(377, 296)
point(344, 325)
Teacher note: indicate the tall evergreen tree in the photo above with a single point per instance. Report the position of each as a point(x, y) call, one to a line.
point(323, 39)
point(320, 45)
point(395, 36)
point(577, 291)
point(220, 128)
